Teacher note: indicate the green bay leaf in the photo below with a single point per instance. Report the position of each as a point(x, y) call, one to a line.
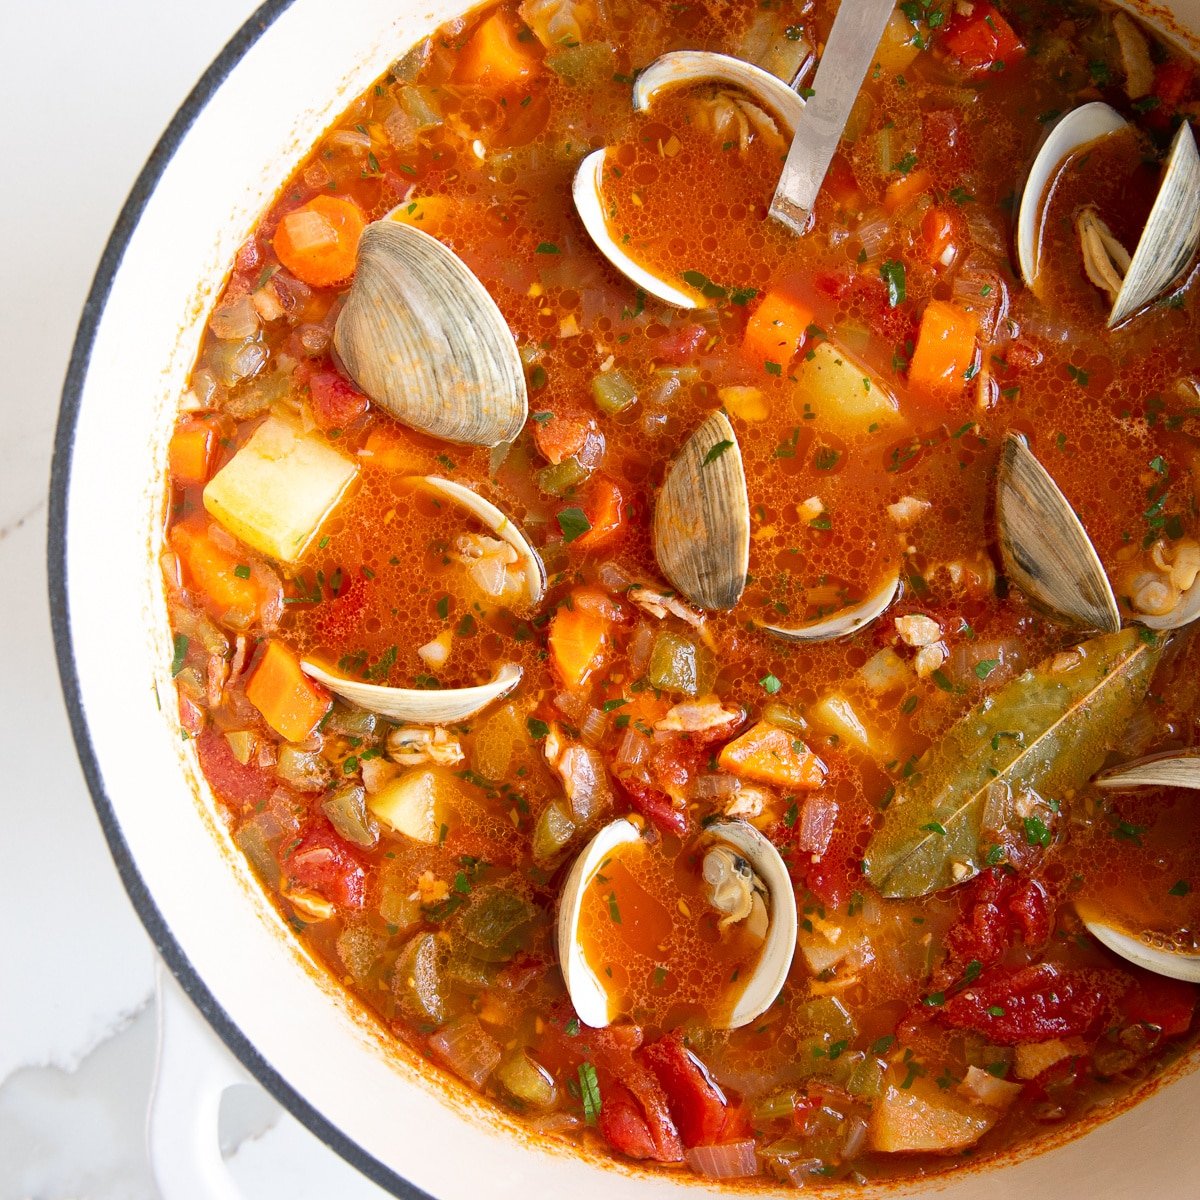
point(1046, 732)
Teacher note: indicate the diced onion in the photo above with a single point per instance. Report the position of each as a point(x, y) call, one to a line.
point(640, 646)
point(571, 705)
point(614, 578)
point(467, 1049)
point(716, 786)
point(234, 320)
point(593, 726)
point(818, 817)
point(856, 1137)
point(731, 1160)
point(633, 750)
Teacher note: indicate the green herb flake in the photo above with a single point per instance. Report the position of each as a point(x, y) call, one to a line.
point(892, 273)
point(548, 248)
point(589, 1091)
point(181, 649)
point(1036, 833)
point(716, 452)
point(1181, 888)
point(574, 523)
point(537, 729)
point(770, 684)
point(986, 666)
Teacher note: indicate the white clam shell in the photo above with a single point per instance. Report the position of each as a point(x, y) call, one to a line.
point(418, 705)
point(702, 518)
point(676, 69)
point(1175, 964)
point(1045, 549)
point(1071, 131)
point(588, 993)
point(500, 524)
point(1171, 237)
point(422, 337)
point(1157, 770)
point(845, 621)
point(1184, 613)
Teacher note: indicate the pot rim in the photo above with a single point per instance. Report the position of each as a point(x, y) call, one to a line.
point(165, 941)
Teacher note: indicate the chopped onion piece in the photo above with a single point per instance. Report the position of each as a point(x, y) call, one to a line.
point(818, 817)
point(732, 1160)
point(633, 750)
point(467, 1049)
point(593, 726)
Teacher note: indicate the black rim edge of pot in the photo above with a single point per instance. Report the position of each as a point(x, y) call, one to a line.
point(156, 926)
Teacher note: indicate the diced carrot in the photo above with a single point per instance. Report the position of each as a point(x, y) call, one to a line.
point(495, 56)
point(840, 184)
point(903, 191)
point(290, 702)
point(224, 581)
point(945, 350)
point(558, 436)
point(318, 242)
point(769, 754)
point(579, 634)
point(388, 449)
point(980, 38)
point(605, 511)
point(191, 450)
point(939, 232)
point(776, 330)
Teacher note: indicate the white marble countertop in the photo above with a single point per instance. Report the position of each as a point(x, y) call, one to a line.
point(86, 88)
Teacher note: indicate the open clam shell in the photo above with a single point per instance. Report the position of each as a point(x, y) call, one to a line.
point(702, 518)
point(756, 860)
point(1184, 613)
point(1156, 770)
point(1069, 133)
point(845, 621)
point(1044, 547)
point(1151, 951)
point(500, 524)
point(418, 705)
point(1168, 242)
point(676, 69)
point(422, 337)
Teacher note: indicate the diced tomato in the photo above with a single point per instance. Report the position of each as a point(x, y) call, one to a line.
point(191, 716)
point(997, 909)
point(680, 345)
point(940, 235)
point(837, 873)
point(243, 784)
point(634, 1116)
point(326, 864)
point(981, 38)
point(559, 436)
point(1165, 1004)
point(1173, 84)
point(1032, 1004)
point(697, 1104)
point(336, 402)
point(654, 805)
point(605, 511)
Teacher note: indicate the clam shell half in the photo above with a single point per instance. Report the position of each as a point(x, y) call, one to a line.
point(845, 621)
point(422, 337)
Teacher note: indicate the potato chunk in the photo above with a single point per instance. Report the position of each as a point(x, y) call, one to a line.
point(845, 396)
point(923, 1118)
point(276, 491)
point(415, 804)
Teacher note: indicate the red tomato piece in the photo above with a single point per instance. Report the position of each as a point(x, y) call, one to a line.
point(680, 345)
point(997, 909)
point(336, 402)
point(982, 38)
point(1165, 1004)
point(245, 784)
point(1032, 1004)
point(326, 864)
point(622, 1124)
point(1173, 84)
point(634, 1116)
point(654, 805)
point(559, 436)
point(697, 1104)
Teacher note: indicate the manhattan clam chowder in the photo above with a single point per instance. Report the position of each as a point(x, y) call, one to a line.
point(738, 711)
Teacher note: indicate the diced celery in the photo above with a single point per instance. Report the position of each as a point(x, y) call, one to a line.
point(678, 665)
point(866, 1080)
point(252, 842)
point(419, 104)
point(350, 721)
point(562, 478)
point(587, 65)
point(304, 770)
point(613, 392)
point(785, 717)
point(468, 970)
point(397, 906)
point(776, 1106)
point(467, 1049)
point(276, 491)
point(553, 831)
point(496, 923)
point(347, 813)
point(417, 979)
point(243, 743)
point(527, 1080)
point(359, 948)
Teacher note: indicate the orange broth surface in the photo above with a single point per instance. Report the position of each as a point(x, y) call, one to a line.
point(448, 939)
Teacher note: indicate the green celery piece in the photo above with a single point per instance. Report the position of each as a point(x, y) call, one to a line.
point(1065, 723)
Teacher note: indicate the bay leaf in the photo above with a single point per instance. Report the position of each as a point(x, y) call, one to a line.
point(1046, 732)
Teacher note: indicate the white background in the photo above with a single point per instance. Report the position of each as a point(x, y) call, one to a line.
point(86, 88)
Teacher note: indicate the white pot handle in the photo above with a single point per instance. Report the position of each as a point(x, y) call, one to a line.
point(192, 1073)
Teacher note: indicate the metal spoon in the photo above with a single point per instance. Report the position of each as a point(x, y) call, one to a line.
point(851, 47)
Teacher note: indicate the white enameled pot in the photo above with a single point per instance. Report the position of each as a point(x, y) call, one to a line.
point(276, 87)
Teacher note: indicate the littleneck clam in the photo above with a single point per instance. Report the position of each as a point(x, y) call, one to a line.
point(1045, 549)
point(845, 621)
point(418, 705)
point(676, 69)
point(745, 881)
point(422, 337)
point(702, 518)
point(1174, 955)
point(501, 525)
point(1168, 242)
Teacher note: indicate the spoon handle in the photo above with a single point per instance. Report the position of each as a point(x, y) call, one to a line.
point(852, 43)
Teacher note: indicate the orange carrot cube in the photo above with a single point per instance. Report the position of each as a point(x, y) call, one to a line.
point(494, 55)
point(291, 703)
point(776, 330)
point(945, 353)
point(769, 754)
point(191, 450)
